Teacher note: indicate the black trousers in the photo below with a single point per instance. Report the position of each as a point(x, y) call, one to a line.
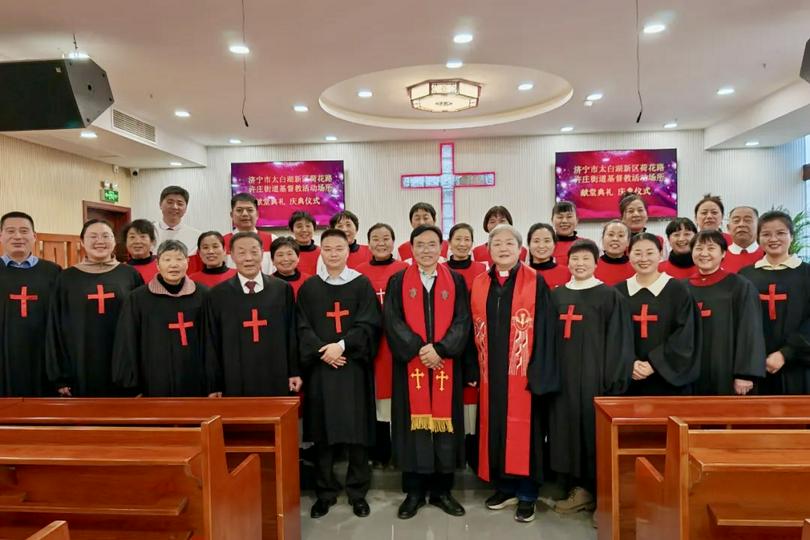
point(419, 484)
point(381, 452)
point(358, 475)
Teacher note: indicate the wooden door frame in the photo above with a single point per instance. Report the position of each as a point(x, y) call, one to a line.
point(87, 205)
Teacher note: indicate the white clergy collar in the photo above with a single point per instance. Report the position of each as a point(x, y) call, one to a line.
point(734, 249)
point(792, 262)
point(589, 283)
point(633, 286)
point(346, 276)
point(258, 279)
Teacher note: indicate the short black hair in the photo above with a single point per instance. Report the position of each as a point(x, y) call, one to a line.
point(240, 235)
point(563, 206)
point(536, 227)
point(617, 222)
point(91, 222)
point(627, 198)
point(680, 223)
point(206, 234)
point(463, 227)
point(174, 190)
point(711, 236)
point(500, 211)
point(284, 241)
point(381, 226)
point(16, 214)
point(776, 215)
point(708, 197)
point(638, 237)
point(299, 215)
point(333, 232)
point(427, 207)
point(425, 228)
point(345, 214)
point(583, 244)
point(244, 197)
point(141, 226)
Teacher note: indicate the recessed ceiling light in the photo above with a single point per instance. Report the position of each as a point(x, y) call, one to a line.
point(752, 143)
point(330, 138)
point(670, 125)
point(567, 129)
point(300, 108)
point(654, 28)
point(180, 113)
point(588, 103)
point(365, 93)
point(596, 96)
point(78, 55)
point(524, 87)
point(88, 135)
point(462, 38)
point(725, 91)
point(235, 141)
point(454, 64)
point(239, 48)
point(175, 164)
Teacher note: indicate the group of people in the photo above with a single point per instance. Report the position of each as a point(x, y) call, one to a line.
point(432, 354)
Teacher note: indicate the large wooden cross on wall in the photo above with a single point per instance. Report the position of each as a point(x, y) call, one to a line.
point(448, 180)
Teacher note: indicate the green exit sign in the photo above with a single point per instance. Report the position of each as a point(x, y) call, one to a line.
point(109, 195)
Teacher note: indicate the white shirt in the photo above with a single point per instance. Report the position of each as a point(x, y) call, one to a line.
point(734, 249)
point(589, 283)
point(259, 283)
point(633, 286)
point(184, 233)
point(428, 279)
point(346, 276)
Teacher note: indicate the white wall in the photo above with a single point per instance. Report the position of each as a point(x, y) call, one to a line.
point(524, 168)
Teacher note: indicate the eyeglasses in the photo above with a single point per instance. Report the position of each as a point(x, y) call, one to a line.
point(94, 237)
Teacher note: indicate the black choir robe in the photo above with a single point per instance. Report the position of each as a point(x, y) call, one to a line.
point(339, 405)
point(595, 360)
point(150, 354)
point(543, 371)
point(789, 330)
point(731, 328)
point(81, 329)
point(421, 451)
point(25, 296)
point(673, 341)
point(251, 344)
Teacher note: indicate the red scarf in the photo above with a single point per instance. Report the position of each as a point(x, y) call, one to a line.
point(430, 392)
point(519, 401)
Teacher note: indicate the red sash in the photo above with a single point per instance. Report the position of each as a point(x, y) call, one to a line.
point(430, 392)
point(519, 401)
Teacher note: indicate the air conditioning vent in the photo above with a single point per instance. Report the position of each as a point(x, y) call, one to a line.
point(133, 126)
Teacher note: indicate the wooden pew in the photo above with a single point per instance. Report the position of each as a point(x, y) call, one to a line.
point(721, 483)
point(630, 427)
point(127, 483)
point(264, 426)
point(58, 530)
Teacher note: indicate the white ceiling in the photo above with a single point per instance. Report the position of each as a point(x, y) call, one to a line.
point(163, 55)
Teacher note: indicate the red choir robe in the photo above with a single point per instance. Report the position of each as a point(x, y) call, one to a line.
point(212, 276)
point(734, 262)
point(308, 258)
point(611, 271)
point(555, 275)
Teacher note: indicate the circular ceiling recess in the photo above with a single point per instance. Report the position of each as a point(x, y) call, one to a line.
point(500, 100)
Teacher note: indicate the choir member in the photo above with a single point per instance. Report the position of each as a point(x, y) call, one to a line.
point(158, 349)
point(709, 212)
point(244, 216)
point(339, 325)
point(302, 225)
point(251, 335)
point(84, 311)
point(26, 285)
point(595, 344)
point(349, 223)
point(665, 324)
point(783, 282)
point(679, 264)
point(427, 323)
point(139, 236)
point(460, 261)
point(633, 210)
point(744, 249)
point(513, 319)
point(614, 264)
point(284, 251)
point(542, 245)
point(378, 270)
point(494, 217)
point(733, 351)
point(173, 207)
point(564, 219)
point(421, 213)
point(211, 250)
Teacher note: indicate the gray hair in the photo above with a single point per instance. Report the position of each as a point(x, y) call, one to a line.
point(508, 228)
point(172, 245)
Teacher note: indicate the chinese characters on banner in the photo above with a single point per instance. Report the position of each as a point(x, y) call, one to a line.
point(595, 181)
point(282, 187)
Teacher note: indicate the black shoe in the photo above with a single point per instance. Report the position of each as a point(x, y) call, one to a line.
point(410, 506)
point(525, 511)
point(321, 508)
point(360, 508)
point(447, 503)
point(500, 500)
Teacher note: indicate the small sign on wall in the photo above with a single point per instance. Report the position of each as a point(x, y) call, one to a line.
point(109, 192)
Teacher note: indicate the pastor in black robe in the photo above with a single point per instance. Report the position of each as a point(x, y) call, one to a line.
point(595, 351)
point(158, 348)
point(666, 335)
point(81, 329)
point(731, 329)
point(251, 344)
point(784, 295)
point(422, 451)
point(25, 296)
